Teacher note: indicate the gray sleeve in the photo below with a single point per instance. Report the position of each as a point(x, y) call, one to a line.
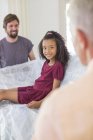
point(0, 61)
point(0, 58)
point(30, 46)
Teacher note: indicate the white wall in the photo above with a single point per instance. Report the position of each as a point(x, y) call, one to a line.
point(44, 16)
point(3, 12)
point(62, 17)
point(36, 17)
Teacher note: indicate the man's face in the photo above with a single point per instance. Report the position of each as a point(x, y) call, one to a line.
point(12, 29)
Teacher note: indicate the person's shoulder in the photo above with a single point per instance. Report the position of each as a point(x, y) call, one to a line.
point(2, 40)
point(59, 64)
point(24, 39)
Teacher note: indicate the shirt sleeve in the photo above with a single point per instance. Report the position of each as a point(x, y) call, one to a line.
point(30, 46)
point(0, 57)
point(0, 61)
point(58, 72)
point(0, 54)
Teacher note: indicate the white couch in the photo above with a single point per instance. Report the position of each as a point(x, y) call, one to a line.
point(17, 121)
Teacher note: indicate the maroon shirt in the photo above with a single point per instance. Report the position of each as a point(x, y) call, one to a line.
point(43, 85)
point(48, 74)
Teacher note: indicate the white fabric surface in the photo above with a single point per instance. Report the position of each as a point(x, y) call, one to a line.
point(20, 75)
point(17, 121)
point(74, 70)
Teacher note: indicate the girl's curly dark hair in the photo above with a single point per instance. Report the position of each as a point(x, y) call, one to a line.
point(62, 52)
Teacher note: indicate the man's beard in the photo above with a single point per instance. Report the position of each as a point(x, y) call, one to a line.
point(13, 35)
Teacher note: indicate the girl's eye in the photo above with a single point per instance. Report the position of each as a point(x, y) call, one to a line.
point(52, 47)
point(44, 48)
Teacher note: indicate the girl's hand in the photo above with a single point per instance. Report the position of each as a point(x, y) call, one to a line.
point(34, 104)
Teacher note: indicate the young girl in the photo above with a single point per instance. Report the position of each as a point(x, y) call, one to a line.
point(53, 49)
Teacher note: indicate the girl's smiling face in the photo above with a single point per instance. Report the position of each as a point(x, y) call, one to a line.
point(49, 49)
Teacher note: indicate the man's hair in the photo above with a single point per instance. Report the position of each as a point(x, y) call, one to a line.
point(81, 16)
point(8, 18)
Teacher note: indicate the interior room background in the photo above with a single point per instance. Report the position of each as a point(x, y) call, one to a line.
point(37, 17)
